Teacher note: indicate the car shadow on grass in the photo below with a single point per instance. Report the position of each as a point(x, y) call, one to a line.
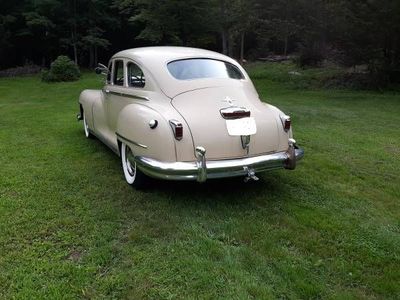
point(230, 191)
point(224, 186)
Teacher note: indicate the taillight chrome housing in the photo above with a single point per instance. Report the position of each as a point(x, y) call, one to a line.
point(286, 122)
point(177, 129)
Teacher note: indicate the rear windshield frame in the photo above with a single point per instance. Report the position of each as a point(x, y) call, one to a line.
point(236, 69)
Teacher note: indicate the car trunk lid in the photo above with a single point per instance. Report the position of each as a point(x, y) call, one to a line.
point(211, 112)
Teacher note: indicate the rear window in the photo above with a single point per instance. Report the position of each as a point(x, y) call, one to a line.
point(197, 68)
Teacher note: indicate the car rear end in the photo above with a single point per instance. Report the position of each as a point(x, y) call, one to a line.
point(232, 132)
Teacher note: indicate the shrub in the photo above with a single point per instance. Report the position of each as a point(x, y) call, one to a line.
point(62, 69)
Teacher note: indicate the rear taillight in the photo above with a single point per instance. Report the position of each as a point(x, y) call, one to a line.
point(286, 122)
point(177, 129)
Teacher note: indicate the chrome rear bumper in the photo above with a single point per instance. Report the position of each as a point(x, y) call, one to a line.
point(201, 170)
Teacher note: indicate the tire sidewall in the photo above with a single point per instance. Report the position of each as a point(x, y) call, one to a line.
point(130, 179)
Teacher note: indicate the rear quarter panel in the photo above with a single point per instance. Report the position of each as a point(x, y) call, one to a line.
point(133, 126)
point(283, 135)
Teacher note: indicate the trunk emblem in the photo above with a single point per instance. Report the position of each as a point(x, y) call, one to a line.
point(229, 101)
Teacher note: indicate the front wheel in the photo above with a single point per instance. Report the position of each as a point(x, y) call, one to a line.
point(133, 175)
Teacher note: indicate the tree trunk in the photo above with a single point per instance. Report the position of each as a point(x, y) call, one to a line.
point(230, 45)
point(224, 42)
point(286, 28)
point(91, 56)
point(73, 42)
point(74, 35)
point(286, 45)
point(224, 33)
point(242, 48)
point(95, 56)
point(75, 53)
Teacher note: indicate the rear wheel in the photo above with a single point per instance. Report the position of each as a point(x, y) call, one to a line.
point(133, 175)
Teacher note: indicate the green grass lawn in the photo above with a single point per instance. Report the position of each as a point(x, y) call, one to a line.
point(70, 227)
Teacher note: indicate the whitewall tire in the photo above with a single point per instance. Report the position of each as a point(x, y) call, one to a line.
point(133, 175)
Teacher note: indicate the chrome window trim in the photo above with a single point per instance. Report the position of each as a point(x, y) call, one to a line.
point(128, 85)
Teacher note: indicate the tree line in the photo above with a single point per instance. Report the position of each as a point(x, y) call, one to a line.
point(357, 32)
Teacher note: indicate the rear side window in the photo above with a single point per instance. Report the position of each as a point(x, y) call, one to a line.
point(118, 72)
point(135, 76)
point(198, 68)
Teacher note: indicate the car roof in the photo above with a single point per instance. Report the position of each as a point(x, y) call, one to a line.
point(163, 54)
point(155, 60)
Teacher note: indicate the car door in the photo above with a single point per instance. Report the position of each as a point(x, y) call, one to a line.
point(113, 91)
point(100, 109)
point(132, 91)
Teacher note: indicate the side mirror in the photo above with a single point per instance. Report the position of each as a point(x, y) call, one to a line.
point(101, 69)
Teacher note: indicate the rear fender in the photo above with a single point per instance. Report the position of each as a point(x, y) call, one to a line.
point(283, 135)
point(133, 129)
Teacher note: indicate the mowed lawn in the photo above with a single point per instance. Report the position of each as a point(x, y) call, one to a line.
point(70, 227)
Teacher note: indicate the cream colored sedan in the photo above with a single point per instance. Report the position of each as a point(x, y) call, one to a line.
point(181, 113)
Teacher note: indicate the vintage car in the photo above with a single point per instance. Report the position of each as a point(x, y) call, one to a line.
point(182, 113)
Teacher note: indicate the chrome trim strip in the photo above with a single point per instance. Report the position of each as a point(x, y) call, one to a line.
point(128, 95)
point(130, 141)
point(213, 169)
